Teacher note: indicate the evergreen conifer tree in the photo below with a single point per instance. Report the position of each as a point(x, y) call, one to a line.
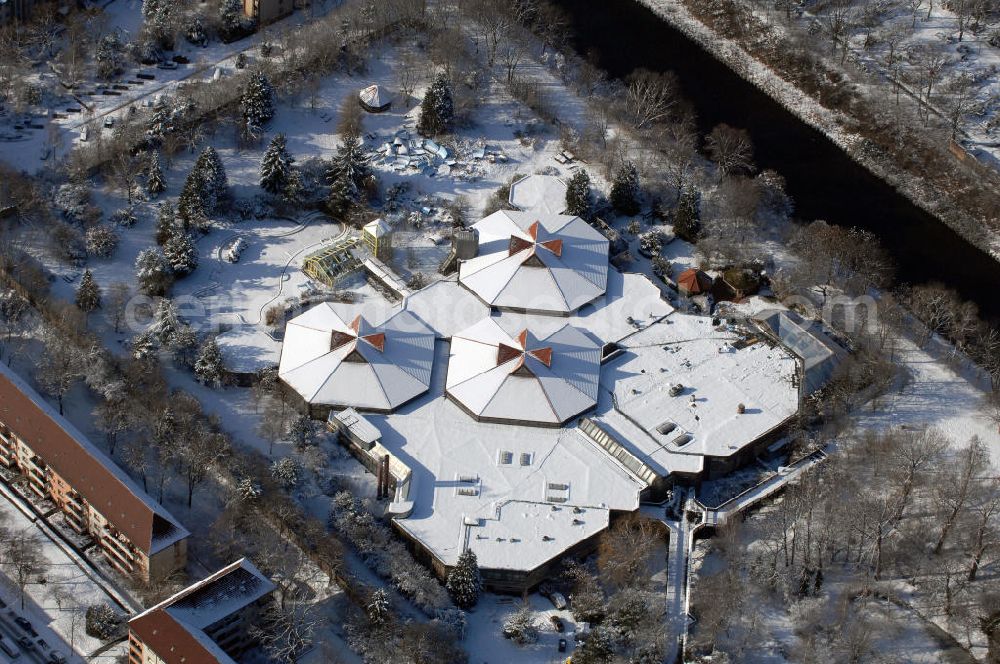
point(166, 223)
point(257, 102)
point(378, 608)
point(152, 272)
point(165, 322)
point(687, 216)
point(154, 176)
point(181, 254)
point(578, 194)
point(232, 22)
point(342, 196)
point(276, 167)
point(88, 295)
point(348, 171)
point(625, 190)
point(464, 583)
point(437, 110)
point(205, 187)
point(209, 367)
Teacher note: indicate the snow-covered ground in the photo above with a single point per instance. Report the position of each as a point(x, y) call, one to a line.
point(485, 643)
point(57, 606)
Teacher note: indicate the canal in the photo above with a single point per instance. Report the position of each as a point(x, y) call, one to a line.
point(623, 35)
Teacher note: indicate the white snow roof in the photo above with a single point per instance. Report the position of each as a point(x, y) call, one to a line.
point(522, 378)
point(819, 353)
point(374, 96)
point(539, 193)
point(537, 262)
point(464, 471)
point(248, 348)
point(631, 302)
point(707, 361)
point(446, 307)
point(331, 361)
point(377, 228)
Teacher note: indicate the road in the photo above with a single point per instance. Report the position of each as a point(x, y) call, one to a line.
point(222, 55)
point(12, 633)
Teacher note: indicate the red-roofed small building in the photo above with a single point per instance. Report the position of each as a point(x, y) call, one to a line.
point(694, 282)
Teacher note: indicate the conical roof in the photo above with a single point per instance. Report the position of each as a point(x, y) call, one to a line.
point(535, 262)
point(337, 362)
point(521, 378)
point(374, 97)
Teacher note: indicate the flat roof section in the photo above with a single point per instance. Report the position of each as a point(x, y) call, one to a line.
point(682, 382)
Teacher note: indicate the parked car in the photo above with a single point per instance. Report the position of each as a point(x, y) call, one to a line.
point(167, 64)
point(551, 594)
point(56, 657)
point(562, 645)
point(9, 648)
point(25, 625)
point(558, 623)
point(109, 122)
point(558, 600)
point(26, 643)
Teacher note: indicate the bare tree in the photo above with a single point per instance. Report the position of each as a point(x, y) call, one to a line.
point(731, 149)
point(287, 632)
point(985, 507)
point(59, 367)
point(23, 559)
point(650, 97)
point(955, 488)
point(912, 453)
point(116, 303)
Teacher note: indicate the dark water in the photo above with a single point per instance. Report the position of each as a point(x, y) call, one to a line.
point(622, 35)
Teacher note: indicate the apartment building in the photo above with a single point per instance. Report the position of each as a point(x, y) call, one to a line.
point(137, 536)
point(267, 11)
point(206, 623)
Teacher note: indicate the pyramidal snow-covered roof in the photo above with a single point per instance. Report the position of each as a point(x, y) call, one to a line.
point(496, 376)
point(537, 262)
point(374, 96)
point(337, 362)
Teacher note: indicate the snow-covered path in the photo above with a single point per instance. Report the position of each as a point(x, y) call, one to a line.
point(675, 595)
point(937, 395)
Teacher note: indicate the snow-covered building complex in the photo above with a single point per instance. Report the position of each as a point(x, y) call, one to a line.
point(333, 362)
point(206, 623)
point(537, 263)
point(544, 392)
